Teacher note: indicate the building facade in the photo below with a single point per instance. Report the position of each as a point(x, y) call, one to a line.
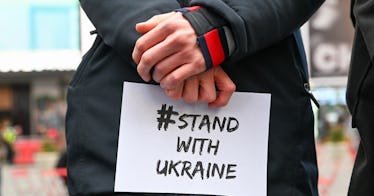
point(40, 48)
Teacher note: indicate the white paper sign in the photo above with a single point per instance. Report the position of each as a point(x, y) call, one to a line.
point(168, 146)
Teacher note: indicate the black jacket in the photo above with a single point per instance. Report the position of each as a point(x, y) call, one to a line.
point(268, 57)
point(360, 96)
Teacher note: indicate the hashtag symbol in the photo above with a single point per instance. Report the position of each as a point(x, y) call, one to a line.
point(165, 116)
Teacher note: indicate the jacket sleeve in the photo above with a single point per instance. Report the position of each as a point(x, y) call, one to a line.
point(364, 22)
point(115, 20)
point(353, 19)
point(257, 24)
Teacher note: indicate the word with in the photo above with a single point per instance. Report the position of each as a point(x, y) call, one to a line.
point(198, 169)
point(197, 144)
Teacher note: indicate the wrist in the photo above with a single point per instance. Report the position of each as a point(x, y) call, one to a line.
point(214, 37)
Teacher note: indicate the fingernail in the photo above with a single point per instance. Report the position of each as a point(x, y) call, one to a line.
point(147, 78)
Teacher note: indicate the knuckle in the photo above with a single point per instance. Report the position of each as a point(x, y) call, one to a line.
point(175, 41)
point(208, 98)
point(139, 69)
point(190, 99)
point(139, 45)
point(179, 39)
point(146, 59)
point(174, 80)
point(161, 70)
point(169, 27)
point(186, 55)
point(199, 64)
point(173, 95)
point(211, 98)
point(222, 104)
point(231, 87)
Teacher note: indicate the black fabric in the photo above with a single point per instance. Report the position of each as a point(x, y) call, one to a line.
point(203, 21)
point(115, 20)
point(270, 65)
point(363, 17)
point(257, 24)
point(94, 102)
point(292, 166)
point(360, 65)
point(184, 3)
point(363, 172)
point(360, 96)
point(137, 194)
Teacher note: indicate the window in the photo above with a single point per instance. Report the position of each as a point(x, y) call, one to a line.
point(34, 25)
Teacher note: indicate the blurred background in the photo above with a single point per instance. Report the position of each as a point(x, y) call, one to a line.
point(41, 44)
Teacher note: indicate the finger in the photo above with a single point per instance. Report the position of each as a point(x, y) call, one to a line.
point(175, 93)
point(172, 35)
point(168, 64)
point(226, 88)
point(182, 50)
point(207, 93)
point(223, 98)
point(191, 90)
point(144, 43)
point(155, 55)
point(144, 27)
point(151, 38)
point(165, 47)
point(182, 73)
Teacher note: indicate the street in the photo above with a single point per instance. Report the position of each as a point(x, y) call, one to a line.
point(335, 161)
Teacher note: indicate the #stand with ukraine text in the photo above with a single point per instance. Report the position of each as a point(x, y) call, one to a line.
point(173, 146)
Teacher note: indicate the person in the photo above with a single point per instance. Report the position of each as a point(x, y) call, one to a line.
point(8, 136)
point(360, 96)
point(185, 46)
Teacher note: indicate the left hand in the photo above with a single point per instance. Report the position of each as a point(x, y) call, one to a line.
point(213, 87)
point(169, 46)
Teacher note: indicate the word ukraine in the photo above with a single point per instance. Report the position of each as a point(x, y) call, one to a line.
point(196, 146)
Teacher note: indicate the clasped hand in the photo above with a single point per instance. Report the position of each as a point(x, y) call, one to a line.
point(167, 52)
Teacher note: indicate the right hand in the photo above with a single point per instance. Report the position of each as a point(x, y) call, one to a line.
point(168, 46)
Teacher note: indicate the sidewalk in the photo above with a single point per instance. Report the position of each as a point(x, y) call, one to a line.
point(39, 179)
point(335, 162)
